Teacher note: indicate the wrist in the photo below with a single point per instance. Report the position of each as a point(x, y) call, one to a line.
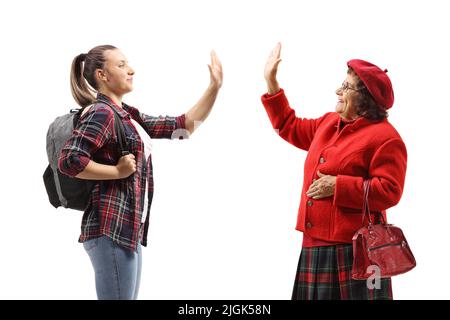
point(115, 171)
point(273, 87)
point(213, 87)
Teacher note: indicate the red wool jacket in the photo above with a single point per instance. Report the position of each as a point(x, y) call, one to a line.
point(362, 149)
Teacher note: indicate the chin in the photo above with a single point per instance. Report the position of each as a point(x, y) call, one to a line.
point(128, 90)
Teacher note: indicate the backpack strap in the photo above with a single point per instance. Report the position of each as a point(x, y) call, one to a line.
point(118, 126)
point(120, 130)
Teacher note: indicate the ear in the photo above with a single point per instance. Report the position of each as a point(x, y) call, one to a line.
point(100, 75)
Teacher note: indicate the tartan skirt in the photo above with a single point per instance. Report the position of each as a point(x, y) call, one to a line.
point(325, 273)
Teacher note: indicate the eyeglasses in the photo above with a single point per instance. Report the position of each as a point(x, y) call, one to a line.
point(345, 86)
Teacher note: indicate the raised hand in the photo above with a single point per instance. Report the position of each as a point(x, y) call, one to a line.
point(270, 71)
point(215, 70)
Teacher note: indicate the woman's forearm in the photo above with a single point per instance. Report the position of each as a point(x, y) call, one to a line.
point(198, 113)
point(98, 171)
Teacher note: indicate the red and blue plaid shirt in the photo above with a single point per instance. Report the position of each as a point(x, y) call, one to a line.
point(115, 206)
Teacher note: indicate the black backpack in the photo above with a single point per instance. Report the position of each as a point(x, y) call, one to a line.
point(62, 190)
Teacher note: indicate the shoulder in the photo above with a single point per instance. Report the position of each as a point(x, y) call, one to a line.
point(131, 109)
point(331, 116)
point(98, 109)
point(98, 115)
point(385, 130)
point(328, 119)
point(384, 136)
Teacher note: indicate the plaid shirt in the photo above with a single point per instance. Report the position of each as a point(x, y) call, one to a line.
point(115, 207)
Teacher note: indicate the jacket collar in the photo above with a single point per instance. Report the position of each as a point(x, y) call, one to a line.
point(353, 125)
point(105, 99)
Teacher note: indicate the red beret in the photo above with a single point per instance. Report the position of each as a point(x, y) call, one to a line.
point(375, 80)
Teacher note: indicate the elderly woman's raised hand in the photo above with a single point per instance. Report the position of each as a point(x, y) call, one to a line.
point(270, 71)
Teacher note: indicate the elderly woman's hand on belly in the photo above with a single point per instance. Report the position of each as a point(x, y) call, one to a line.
point(322, 187)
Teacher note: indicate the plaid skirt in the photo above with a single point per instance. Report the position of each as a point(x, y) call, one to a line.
point(325, 273)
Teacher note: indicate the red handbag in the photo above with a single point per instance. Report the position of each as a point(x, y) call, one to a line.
point(381, 246)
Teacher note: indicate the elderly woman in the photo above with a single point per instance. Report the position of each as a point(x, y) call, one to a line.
point(345, 147)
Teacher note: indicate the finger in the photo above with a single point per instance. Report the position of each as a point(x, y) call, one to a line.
point(314, 184)
point(216, 59)
point(320, 174)
point(219, 64)
point(314, 194)
point(213, 58)
point(273, 52)
point(278, 50)
point(311, 189)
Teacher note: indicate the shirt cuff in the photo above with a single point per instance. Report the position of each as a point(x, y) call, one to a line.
point(181, 122)
point(73, 165)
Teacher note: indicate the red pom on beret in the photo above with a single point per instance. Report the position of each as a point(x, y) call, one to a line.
point(375, 80)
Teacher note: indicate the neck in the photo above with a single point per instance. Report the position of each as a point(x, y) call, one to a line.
point(349, 117)
point(117, 99)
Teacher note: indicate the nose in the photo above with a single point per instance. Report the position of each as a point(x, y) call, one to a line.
point(339, 91)
point(131, 71)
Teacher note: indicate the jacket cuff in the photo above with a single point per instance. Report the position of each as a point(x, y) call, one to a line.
point(277, 106)
point(268, 97)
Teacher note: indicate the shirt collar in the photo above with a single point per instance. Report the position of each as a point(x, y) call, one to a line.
point(120, 111)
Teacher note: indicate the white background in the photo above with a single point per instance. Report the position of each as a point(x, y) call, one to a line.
point(225, 203)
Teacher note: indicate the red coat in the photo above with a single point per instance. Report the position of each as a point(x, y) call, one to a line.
point(362, 149)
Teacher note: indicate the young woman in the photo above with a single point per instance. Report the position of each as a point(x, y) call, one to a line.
point(115, 223)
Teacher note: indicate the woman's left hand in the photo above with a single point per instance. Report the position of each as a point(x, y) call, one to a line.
point(322, 187)
point(215, 70)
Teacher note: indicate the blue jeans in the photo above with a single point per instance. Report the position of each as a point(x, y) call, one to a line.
point(117, 270)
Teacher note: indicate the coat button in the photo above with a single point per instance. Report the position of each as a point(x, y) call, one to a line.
point(309, 225)
point(322, 160)
point(309, 203)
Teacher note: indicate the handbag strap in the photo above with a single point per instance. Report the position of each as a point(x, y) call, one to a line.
point(365, 208)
